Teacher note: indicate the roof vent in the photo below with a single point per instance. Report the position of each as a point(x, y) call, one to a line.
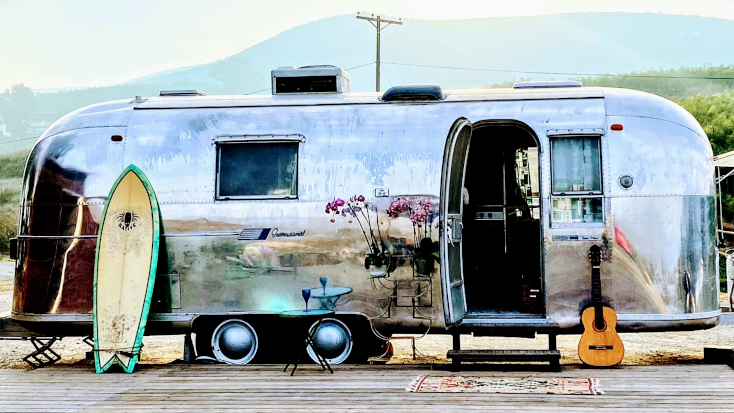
point(413, 93)
point(182, 93)
point(309, 79)
point(547, 84)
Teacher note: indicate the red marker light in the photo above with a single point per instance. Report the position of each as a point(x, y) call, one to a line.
point(617, 126)
point(116, 138)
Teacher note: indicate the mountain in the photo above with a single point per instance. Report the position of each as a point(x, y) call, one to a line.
point(567, 43)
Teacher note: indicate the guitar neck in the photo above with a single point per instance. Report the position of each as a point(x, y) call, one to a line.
point(596, 296)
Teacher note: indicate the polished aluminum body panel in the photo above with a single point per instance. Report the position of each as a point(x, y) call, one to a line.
point(661, 276)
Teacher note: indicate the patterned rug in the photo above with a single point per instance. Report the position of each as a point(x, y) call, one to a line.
point(531, 385)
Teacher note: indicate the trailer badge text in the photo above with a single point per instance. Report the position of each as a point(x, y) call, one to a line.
point(278, 234)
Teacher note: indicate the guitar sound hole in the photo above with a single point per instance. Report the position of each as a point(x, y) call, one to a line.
point(600, 326)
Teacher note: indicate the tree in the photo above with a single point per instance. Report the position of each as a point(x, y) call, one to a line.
point(17, 105)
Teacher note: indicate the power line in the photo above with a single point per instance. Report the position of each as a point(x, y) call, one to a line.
point(556, 73)
point(393, 56)
point(257, 91)
point(388, 77)
point(19, 140)
point(357, 67)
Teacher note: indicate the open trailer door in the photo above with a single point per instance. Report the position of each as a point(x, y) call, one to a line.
point(452, 208)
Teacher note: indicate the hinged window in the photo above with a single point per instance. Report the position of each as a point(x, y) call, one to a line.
point(257, 168)
point(576, 180)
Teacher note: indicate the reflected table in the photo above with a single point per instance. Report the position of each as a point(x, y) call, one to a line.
point(304, 320)
point(328, 297)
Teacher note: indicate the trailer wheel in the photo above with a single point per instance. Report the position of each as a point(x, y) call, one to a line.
point(348, 339)
point(333, 340)
point(234, 341)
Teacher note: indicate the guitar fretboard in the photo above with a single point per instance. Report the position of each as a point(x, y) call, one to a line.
point(596, 296)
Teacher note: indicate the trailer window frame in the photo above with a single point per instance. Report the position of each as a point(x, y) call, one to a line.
point(597, 194)
point(221, 141)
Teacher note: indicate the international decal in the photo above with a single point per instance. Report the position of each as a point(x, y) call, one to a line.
point(127, 220)
point(278, 234)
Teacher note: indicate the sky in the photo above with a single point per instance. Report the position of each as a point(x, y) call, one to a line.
point(49, 44)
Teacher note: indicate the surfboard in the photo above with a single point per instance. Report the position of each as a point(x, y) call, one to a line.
point(124, 271)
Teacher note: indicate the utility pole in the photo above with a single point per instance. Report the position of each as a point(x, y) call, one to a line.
point(377, 21)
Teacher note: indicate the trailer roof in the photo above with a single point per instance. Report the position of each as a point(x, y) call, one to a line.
point(462, 95)
point(618, 102)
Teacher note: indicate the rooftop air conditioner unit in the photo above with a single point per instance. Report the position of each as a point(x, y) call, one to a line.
point(309, 79)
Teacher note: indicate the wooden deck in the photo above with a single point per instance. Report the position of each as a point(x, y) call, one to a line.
point(214, 388)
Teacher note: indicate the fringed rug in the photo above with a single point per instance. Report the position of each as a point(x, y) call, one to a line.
point(531, 385)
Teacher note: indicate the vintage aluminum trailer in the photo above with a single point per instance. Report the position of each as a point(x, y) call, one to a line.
point(515, 185)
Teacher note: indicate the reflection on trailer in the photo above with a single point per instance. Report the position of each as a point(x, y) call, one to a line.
point(465, 212)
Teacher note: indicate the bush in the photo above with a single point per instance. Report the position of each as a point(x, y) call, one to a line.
point(9, 197)
point(8, 225)
point(11, 165)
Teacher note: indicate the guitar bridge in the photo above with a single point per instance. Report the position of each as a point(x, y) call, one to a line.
point(601, 347)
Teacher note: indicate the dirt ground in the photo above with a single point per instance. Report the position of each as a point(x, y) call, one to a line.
point(641, 348)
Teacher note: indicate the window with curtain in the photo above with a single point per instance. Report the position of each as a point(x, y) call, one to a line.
point(576, 182)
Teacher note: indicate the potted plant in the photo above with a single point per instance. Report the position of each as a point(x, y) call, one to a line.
point(425, 256)
point(425, 250)
point(377, 259)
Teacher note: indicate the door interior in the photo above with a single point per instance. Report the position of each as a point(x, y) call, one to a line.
point(502, 239)
point(452, 187)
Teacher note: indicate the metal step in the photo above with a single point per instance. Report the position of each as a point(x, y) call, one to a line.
point(504, 355)
point(479, 328)
point(514, 324)
point(548, 356)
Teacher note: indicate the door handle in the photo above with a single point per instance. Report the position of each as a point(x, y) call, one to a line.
point(455, 228)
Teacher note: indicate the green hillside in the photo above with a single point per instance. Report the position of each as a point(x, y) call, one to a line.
point(679, 83)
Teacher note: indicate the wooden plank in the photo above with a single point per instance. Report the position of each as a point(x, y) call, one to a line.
point(213, 388)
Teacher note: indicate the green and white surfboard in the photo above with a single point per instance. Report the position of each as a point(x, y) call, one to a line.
point(124, 270)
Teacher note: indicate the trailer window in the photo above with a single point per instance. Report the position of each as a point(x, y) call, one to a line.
point(575, 210)
point(576, 165)
point(257, 170)
point(576, 182)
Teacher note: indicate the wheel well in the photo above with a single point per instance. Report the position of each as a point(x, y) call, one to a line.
point(276, 343)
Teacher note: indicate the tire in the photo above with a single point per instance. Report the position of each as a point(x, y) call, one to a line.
point(203, 341)
point(333, 339)
point(234, 341)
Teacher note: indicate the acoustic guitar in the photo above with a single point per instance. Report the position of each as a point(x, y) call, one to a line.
point(600, 345)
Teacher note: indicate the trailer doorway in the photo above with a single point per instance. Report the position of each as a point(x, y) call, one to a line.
point(498, 252)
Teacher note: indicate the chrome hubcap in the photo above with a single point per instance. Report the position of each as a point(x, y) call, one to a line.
point(234, 342)
point(333, 341)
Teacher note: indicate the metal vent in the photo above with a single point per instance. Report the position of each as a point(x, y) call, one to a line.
point(547, 84)
point(309, 79)
point(182, 93)
point(413, 93)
